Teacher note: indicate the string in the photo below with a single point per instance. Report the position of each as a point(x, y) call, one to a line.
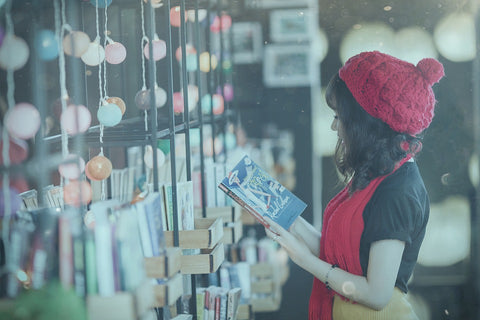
point(105, 60)
point(144, 40)
point(97, 39)
point(60, 27)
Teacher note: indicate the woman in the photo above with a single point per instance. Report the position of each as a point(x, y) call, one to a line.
point(372, 230)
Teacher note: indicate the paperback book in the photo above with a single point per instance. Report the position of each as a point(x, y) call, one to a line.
point(260, 194)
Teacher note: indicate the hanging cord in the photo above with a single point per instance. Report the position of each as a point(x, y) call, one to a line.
point(5, 150)
point(100, 88)
point(105, 35)
point(144, 40)
point(60, 27)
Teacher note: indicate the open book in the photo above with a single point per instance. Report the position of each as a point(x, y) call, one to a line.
point(261, 195)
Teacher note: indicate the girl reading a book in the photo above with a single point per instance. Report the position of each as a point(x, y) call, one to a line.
point(372, 230)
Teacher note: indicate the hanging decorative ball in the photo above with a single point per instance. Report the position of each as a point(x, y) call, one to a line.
point(109, 115)
point(17, 151)
point(159, 50)
point(94, 55)
point(76, 43)
point(225, 22)
point(89, 220)
point(142, 98)
point(228, 92)
point(202, 14)
point(46, 45)
point(22, 121)
point(75, 119)
point(178, 106)
point(227, 66)
point(101, 3)
point(57, 106)
point(175, 19)
point(194, 137)
point(414, 44)
point(14, 53)
point(148, 157)
point(72, 167)
point(320, 45)
point(454, 36)
point(98, 168)
point(155, 3)
point(115, 53)
point(77, 192)
point(206, 61)
point(189, 49)
point(218, 104)
point(118, 102)
point(230, 140)
point(368, 37)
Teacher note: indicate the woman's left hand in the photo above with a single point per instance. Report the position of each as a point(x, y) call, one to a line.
point(296, 248)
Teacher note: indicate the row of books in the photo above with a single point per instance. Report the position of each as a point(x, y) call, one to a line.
point(217, 303)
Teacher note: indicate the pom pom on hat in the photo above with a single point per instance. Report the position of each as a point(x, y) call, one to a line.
point(392, 90)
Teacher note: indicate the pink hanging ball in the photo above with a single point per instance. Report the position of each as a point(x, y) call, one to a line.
point(178, 106)
point(22, 121)
point(175, 19)
point(228, 92)
point(159, 50)
point(115, 53)
point(77, 192)
point(72, 168)
point(75, 119)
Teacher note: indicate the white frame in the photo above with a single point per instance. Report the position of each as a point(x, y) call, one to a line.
point(281, 70)
point(251, 34)
point(292, 25)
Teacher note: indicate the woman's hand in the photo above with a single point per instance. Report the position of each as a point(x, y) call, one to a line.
point(295, 247)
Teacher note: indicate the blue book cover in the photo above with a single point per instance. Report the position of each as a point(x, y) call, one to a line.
point(260, 194)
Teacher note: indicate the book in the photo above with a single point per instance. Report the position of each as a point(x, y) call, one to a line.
point(260, 194)
point(153, 206)
point(233, 300)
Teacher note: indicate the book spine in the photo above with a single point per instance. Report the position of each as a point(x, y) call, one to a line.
point(90, 263)
point(66, 252)
point(242, 203)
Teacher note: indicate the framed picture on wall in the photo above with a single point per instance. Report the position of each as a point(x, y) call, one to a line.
point(288, 65)
point(291, 25)
point(276, 3)
point(247, 42)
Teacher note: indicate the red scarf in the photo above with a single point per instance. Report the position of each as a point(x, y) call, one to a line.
point(340, 241)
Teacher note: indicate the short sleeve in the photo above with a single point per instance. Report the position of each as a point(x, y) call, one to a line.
point(391, 215)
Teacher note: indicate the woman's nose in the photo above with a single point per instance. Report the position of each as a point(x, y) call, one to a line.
point(334, 125)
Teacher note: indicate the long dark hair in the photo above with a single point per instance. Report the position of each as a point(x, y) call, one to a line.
point(370, 148)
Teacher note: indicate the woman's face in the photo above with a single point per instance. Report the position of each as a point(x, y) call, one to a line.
point(337, 126)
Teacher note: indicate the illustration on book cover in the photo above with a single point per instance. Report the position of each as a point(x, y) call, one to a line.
point(262, 193)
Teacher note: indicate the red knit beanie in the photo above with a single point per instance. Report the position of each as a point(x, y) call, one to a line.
point(392, 90)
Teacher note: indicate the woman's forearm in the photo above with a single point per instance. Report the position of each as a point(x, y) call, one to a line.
point(311, 236)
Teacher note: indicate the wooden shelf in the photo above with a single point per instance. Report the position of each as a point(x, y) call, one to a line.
point(228, 214)
point(208, 232)
point(164, 266)
point(245, 312)
point(167, 293)
point(233, 234)
point(122, 305)
point(207, 261)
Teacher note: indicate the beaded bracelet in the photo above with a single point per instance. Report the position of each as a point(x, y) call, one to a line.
point(328, 273)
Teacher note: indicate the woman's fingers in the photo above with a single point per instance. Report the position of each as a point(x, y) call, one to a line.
point(274, 227)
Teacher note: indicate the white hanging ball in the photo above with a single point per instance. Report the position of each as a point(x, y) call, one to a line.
point(14, 53)
point(454, 37)
point(320, 45)
point(202, 14)
point(367, 37)
point(76, 43)
point(473, 169)
point(324, 138)
point(414, 44)
point(448, 232)
point(94, 55)
point(148, 157)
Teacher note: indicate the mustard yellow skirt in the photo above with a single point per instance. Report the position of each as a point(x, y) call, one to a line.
point(397, 309)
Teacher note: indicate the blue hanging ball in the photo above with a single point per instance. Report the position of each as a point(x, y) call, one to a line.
point(46, 45)
point(192, 62)
point(101, 3)
point(206, 104)
point(109, 115)
point(141, 182)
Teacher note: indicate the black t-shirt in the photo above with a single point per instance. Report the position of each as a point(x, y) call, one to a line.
point(398, 209)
